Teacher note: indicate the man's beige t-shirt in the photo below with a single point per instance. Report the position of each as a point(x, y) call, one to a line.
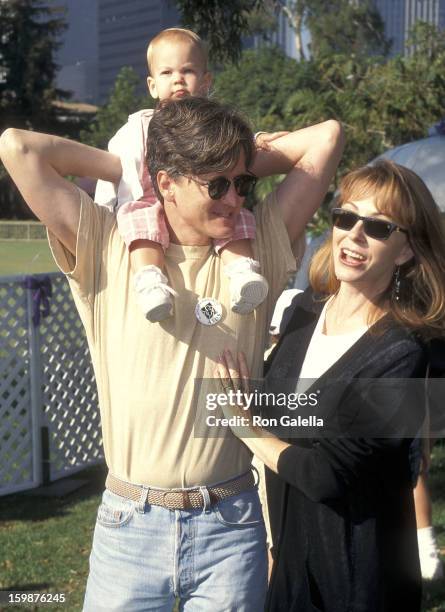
point(146, 372)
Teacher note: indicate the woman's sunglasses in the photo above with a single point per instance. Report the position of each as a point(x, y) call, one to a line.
point(374, 228)
point(220, 185)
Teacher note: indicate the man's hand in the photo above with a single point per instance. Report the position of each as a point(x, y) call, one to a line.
point(309, 157)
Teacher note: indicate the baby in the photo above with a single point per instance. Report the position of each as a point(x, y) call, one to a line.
point(177, 64)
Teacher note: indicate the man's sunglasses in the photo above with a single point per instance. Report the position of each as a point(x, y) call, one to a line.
point(374, 228)
point(220, 185)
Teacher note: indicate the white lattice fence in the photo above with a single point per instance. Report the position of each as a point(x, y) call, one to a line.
point(18, 468)
point(71, 410)
point(49, 418)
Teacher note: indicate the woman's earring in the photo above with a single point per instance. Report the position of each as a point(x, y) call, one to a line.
point(396, 285)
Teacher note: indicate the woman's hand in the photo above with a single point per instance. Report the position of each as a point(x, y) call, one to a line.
point(235, 377)
point(234, 380)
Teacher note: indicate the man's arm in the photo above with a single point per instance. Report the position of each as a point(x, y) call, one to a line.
point(309, 157)
point(37, 164)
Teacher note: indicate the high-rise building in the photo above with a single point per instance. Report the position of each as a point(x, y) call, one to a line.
point(125, 29)
point(399, 16)
point(78, 54)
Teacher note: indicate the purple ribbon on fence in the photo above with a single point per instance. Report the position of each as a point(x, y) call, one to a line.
point(41, 292)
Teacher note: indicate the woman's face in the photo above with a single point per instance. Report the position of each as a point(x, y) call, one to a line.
point(364, 262)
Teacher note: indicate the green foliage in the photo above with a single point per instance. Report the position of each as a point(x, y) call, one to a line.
point(259, 86)
point(381, 103)
point(344, 27)
point(122, 102)
point(29, 38)
point(221, 24)
point(339, 26)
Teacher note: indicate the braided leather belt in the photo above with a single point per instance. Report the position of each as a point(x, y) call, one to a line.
point(180, 499)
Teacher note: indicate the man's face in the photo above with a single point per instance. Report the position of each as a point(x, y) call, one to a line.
point(197, 219)
point(178, 70)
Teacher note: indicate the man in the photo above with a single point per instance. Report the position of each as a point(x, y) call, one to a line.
point(180, 515)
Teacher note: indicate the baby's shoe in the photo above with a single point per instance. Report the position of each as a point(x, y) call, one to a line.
point(430, 563)
point(247, 287)
point(153, 293)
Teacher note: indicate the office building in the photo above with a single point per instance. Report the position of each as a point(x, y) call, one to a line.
point(78, 55)
point(399, 16)
point(124, 30)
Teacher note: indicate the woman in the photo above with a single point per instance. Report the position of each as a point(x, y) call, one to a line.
point(340, 501)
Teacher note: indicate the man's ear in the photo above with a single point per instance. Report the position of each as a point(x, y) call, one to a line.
point(151, 84)
point(206, 84)
point(166, 186)
point(405, 255)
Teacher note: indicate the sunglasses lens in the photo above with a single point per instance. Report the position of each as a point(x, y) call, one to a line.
point(218, 187)
point(343, 219)
point(244, 184)
point(374, 228)
point(377, 229)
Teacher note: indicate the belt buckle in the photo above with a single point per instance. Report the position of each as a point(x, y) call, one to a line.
point(169, 505)
point(175, 505)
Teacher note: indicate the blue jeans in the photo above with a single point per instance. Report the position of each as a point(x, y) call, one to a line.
point(144, 558)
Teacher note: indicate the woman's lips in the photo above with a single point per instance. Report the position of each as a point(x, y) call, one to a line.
point(351, 257)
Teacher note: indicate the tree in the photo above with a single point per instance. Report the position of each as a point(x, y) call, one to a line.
point(260, 85)
point(28, 41)
point(122, 102)
point(381, 104)
point(336, 26)
point(344, 27)
point(221, 24)
point(263, 19)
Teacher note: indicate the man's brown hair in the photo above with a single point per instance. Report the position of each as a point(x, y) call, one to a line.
point(195, 136)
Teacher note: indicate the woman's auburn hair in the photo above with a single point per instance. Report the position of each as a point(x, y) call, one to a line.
point(401, 195)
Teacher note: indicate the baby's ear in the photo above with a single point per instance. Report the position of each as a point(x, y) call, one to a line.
point(151, 84)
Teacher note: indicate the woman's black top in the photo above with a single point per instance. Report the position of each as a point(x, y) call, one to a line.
point(341, 506)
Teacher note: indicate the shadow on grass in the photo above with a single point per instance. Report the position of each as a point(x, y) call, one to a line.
point(30, 506)
point(28, 586)
point(434, 596)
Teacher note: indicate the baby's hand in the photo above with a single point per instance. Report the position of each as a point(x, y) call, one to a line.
point(263, 139)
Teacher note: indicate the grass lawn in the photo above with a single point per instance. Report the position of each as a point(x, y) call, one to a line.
point(45, 542)
point(25, 257)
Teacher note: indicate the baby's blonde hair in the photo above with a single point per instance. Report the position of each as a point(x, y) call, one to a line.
point(175, 34)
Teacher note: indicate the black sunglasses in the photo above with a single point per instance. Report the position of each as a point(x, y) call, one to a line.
point(374, 228)
point(220, 185)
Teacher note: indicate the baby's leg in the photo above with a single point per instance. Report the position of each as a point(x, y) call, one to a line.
point(248, 288)
point(143, 228)
point(146, 253)
point(236, 249)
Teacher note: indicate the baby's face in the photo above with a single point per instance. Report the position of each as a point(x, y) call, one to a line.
point(178, 70)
